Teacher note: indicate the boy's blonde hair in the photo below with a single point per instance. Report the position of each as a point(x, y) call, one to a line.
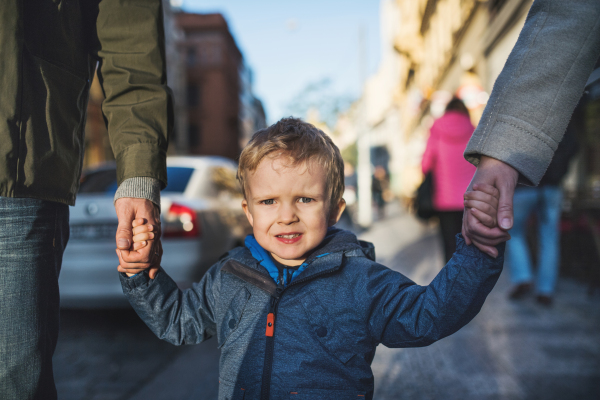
point(302, 142)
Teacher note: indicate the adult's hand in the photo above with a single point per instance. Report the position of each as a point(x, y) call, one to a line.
point(504, 178)
point(134, 261)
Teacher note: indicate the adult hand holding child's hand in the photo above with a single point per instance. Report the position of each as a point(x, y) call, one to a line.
point(478, 229)
point(142, 235)
point(134, 259)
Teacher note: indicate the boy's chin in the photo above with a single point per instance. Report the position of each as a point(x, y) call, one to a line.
point(289, 259)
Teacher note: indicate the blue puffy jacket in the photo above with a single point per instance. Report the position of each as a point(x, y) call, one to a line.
point(315, 337)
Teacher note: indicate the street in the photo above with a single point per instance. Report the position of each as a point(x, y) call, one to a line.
point(511, 350)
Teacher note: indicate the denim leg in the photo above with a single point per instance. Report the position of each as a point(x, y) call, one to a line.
point(33, 236)
point(517, 251)
point(549, 239)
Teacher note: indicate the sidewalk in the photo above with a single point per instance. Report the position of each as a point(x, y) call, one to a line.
point(511, 350)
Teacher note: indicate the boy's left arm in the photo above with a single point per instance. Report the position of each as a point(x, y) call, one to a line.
point(404, 314)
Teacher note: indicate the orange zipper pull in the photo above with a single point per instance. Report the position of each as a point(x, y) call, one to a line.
point(270, 324)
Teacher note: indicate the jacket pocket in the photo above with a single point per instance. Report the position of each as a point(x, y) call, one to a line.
point(232, 316)
point(326, 394)
point(54, 109)
point(330, 332)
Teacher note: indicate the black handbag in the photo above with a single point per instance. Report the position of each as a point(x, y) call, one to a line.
point(424, 199)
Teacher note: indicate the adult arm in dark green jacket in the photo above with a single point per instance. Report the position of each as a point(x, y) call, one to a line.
point(138, 110)
point(48, 54)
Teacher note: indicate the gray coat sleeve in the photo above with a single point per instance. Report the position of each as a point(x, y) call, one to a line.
point(539, 87)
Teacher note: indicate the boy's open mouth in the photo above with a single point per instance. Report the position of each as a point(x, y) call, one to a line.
point(290, 236)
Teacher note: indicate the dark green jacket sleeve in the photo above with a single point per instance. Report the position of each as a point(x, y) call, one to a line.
point(138, 105)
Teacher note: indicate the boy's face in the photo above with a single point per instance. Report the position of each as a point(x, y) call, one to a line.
point(288, 208)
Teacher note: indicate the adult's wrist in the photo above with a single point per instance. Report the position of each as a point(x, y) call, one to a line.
point(141, 187)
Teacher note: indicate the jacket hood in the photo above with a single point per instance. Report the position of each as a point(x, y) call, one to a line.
point(335, 241)
point(453, 127)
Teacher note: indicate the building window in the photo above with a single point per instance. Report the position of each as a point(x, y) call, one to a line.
point(193, 95)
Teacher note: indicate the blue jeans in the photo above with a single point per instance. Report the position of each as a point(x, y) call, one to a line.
point(33, 237)
point(546, 202)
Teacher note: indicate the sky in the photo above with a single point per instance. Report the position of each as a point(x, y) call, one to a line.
point(291, 44)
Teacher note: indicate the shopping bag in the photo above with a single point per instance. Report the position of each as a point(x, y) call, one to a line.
point(423, 203)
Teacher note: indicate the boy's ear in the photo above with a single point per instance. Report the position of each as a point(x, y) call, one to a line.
point(336, 212)
point(247, 212)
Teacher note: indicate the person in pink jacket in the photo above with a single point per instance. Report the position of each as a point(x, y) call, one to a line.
point(443, 157)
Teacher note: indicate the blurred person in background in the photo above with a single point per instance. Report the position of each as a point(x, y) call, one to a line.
point(545, 200)
point(380, 187)
point(443, 157)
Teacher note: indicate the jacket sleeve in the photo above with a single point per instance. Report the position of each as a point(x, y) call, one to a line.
point(430, 153)
point(176, 316)
point(138, 104)
point(404, 314)
point(539, 87)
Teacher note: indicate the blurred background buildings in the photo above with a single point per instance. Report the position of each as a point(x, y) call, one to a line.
point(430, 50)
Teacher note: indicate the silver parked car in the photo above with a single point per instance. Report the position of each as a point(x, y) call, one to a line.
point(201, 218)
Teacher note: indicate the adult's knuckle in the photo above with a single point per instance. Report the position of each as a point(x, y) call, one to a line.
point(124, 230)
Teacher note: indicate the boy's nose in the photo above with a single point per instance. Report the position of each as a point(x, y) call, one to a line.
point(287, 215)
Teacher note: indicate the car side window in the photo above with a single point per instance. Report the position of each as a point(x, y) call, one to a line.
point(225, 183)
point(103, 181)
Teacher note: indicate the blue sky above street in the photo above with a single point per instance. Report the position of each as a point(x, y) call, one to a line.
point(290, 44)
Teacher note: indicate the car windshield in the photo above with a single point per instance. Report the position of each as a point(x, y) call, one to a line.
point(105, 181)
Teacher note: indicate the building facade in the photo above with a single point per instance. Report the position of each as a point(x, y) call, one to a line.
point(221, 109)
point(447, 48)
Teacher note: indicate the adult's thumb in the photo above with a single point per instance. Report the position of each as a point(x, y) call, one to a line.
point(124, 236)
point(505, 208)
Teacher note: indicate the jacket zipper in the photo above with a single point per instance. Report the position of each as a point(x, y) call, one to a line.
point(265, 390)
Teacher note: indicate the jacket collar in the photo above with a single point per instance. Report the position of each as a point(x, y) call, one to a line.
point(327, 257)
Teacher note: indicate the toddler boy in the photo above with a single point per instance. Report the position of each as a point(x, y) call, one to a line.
point(300, 309)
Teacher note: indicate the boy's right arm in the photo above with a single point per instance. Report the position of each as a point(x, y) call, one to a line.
point(403, 314)
point(176, 316)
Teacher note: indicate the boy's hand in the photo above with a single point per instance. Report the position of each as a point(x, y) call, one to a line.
point(142, 234)
point(482, 203)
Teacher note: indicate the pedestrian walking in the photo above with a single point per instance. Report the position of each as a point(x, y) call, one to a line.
point(451, 173)
point(545, 202)
point(380, 188)
point(49, 51)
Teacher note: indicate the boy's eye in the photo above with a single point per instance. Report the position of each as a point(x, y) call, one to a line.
point(268, 202)
point(305, 199)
